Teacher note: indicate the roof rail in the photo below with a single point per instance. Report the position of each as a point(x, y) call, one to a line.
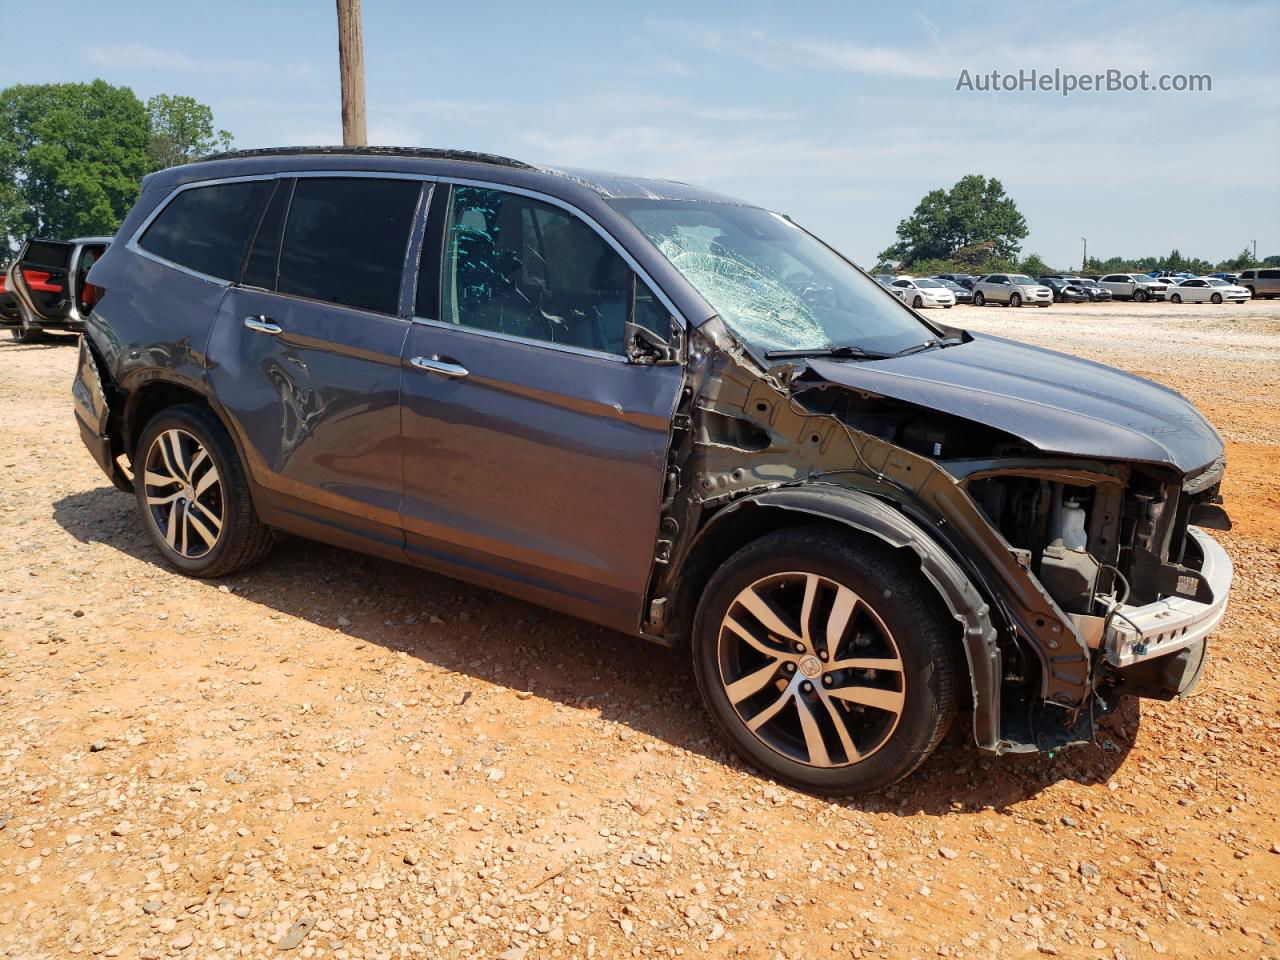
point(428, 153)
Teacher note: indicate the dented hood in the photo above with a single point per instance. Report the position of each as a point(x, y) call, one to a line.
point(1055, 402)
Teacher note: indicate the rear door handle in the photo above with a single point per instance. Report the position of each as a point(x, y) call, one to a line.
point(261, 324)
point(444, 368)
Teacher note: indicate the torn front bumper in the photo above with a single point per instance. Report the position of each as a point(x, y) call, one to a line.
point(1138, 634)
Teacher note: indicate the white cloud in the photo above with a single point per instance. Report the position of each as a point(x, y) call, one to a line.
point(140, 56)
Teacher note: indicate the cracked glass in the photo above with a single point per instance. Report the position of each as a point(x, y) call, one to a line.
point(775, 285)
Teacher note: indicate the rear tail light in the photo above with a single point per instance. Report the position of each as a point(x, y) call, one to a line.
point(91, 294)
point(3, 280)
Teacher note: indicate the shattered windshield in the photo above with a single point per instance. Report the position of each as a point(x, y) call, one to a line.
point(776, 286)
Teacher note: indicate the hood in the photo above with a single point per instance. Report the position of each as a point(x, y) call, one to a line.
point(1055, 402)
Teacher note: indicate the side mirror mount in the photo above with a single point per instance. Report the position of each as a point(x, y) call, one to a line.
point(649, 348)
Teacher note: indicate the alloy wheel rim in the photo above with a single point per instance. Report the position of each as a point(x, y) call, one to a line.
point(811, 670)
point(184, 493)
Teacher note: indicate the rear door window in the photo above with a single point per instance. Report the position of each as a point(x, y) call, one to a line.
point(207, 229)
point(264, 256)
point(345, 240)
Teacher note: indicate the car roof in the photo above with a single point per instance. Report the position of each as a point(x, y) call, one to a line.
point(430, 161)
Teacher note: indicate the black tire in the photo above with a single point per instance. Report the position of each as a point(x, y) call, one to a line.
point(1176, 298)
point(1253, 293)
point(1015, 300)
point(1216, 298)
point(1140, 295)
point(26, 334)
point(917, 303)
point(1042, 305)
point(242, 539)
point(979, 300)
point(921, 632)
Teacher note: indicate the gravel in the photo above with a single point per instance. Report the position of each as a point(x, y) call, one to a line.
point(336, 756)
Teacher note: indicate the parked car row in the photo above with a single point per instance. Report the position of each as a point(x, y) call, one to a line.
point(1016, 290)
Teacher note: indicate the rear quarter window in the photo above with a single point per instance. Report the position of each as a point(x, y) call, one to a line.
point(207, 229)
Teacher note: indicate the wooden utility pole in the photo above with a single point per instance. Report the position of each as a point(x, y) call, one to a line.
point(351, 65)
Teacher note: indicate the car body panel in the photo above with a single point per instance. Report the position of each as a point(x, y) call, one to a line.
point(1261, 281)
point(1059, 403)
point(1130, 286)
point(928, 296)
point(1201, 290)
point(999, 288)
point(503, 465)
point(317, 407)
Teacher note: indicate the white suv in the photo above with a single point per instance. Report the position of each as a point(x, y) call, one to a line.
point(1011, 289)
point(923, 292)
point(1135, 286)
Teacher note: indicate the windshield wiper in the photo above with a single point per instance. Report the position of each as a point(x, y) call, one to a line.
point(843, 351)
point(929, 345)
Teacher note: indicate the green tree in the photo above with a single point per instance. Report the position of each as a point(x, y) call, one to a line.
point(71, 158)
point(975, 212)
point(182, 131)
point(1240, 261)
point(1033, 266)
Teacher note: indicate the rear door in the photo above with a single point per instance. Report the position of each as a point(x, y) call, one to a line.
point(305, 356)
point(534, 452)
point(40, 279)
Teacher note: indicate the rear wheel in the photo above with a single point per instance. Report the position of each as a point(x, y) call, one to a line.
point(825, 662)
point(193, 494)
point(1176, 298)
point(979, 300)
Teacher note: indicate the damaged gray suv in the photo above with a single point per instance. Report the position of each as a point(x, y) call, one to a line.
point(666, 411)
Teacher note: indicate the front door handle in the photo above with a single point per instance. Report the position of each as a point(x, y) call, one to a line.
point(444, 368)
point(261, 324)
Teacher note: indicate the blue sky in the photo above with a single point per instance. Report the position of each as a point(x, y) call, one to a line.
point(841, 115)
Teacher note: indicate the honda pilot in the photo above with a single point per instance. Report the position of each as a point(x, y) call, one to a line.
point(673, 413)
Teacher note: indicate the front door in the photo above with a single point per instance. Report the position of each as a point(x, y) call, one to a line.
point(306, 351)
point(534, 453)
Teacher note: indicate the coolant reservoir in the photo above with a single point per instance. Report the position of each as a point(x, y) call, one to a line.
point(1073, 533)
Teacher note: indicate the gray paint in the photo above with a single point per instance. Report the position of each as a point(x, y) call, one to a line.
point(1056, 402)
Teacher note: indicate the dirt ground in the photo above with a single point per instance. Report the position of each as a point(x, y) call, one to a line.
point(346, 758)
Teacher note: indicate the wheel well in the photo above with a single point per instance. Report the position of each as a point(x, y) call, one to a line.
point(729, 536)
point(149, 400)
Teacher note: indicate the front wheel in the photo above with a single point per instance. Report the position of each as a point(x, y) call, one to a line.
point(193, 494)
point(1140, 296)
point(917, 303)
point(825, 662)
point(1216, 298)
point(1015, 300)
